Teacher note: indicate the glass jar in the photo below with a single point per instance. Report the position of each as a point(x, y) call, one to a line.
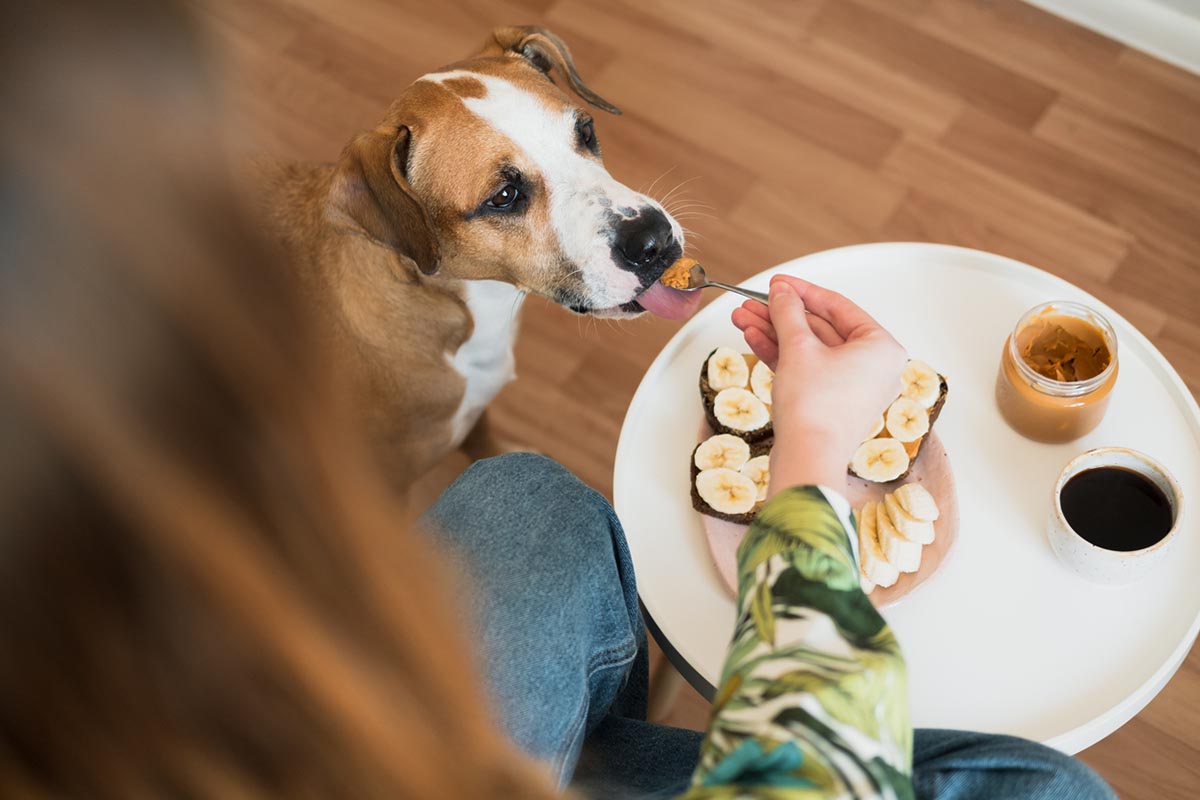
point(1057, 371)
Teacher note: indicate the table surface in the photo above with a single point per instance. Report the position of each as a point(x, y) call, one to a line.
point(1003, 638)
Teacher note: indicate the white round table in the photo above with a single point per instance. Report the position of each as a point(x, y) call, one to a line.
point(1003, 638)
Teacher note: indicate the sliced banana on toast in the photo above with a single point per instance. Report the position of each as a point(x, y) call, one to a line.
point(740, 410)
point(722, 450)
point(736, 391)
point(895, 440)
point(727, 491)
point(921, 382)
point(762, 378)
point(727, 369)
point(730, 477)
point(880, 460)
point(906, 420)
point(758, 469)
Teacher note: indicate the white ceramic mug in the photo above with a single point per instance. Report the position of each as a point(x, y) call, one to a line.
point(1096, 563)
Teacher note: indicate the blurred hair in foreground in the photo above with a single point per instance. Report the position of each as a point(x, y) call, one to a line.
point(205, 591)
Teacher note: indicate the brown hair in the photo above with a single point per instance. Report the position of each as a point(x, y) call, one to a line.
point(205, 590)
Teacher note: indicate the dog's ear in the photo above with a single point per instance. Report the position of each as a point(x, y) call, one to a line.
point(547, 52)
point(370, 195)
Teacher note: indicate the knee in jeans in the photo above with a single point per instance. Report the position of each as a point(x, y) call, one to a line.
point(529, 483)
point(1060, 774)
point(554, 511)
point(515, 472)
point(967, 764)
point(1083, 779)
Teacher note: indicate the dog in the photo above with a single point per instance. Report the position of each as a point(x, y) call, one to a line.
point(483, 183)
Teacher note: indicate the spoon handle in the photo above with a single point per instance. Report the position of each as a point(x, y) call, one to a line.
point(753, 295)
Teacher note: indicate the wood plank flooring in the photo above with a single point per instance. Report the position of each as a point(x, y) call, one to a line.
point(788, 127)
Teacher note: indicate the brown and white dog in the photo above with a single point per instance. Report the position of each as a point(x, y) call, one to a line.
point(483, 183)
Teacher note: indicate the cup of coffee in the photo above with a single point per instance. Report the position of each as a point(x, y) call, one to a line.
point(1114, 514)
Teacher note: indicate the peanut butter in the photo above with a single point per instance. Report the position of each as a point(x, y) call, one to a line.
point(1057, 371)
point(678, 274)
point(1063, 348)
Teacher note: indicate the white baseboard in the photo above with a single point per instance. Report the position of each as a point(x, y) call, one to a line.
point(1166, 30)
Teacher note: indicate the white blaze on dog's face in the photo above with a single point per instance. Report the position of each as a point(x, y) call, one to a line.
point(509, 170)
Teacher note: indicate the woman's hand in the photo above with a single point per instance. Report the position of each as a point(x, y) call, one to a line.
point(836, 370)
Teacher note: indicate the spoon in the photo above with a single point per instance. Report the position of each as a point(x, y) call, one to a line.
point(698, 280)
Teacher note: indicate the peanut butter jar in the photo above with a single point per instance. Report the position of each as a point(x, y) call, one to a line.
point(1057, 371)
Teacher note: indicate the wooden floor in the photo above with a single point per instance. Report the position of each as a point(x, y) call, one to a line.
point(790, 126)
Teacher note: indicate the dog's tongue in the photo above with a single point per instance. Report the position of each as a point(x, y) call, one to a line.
point(670, 303)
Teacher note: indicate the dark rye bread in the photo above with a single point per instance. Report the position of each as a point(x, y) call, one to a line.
point(933, 415)
point(760, 448)
point(708, 397)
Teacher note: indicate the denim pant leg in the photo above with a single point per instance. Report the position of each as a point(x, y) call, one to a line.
point(958, 765)
point(556, 616)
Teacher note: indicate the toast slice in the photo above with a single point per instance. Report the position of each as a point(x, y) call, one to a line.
point(708, 396)
point(914, 448)
point(759, 448)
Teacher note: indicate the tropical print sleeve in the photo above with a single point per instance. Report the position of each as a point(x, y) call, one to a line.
point(813, 701)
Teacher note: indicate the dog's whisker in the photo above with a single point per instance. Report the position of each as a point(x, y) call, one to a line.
point(656, 180)
point(694, 215)
point(669, 195)
point(687, 199)
point(689, 206)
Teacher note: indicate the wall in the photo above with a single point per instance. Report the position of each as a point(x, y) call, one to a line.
point(1169, 29)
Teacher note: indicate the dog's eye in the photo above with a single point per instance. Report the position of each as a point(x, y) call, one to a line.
point(505, 198)
point(586, 130)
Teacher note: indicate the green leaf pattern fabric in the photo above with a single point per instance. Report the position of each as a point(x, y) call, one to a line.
point(813, 701)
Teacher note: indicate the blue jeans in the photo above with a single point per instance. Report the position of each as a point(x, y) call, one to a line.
point(555, 610)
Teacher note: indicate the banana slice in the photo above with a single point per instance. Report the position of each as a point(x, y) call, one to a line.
point(726, 490)
point(876, 428)
point(907, 420)
point(921, 383)
point(880, 460)
point(910, 528)
point(917, 502)
point(761, 381)
point(901, 553)
point(722, 450)
point(739, 410)
point(867, 585)
point(727, 369)
point(874, 567)
point(758, 469)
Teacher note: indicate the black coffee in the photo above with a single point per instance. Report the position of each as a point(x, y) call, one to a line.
point(1115, 508)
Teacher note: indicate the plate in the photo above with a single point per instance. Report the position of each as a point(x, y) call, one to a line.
point(1004, 639)
point(931, 470)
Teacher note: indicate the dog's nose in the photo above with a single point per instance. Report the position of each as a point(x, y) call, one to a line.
point(642, 239)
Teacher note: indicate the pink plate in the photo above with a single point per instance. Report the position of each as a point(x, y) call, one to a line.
point(932, 470)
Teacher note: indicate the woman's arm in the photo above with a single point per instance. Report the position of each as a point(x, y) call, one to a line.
point(813, 701)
